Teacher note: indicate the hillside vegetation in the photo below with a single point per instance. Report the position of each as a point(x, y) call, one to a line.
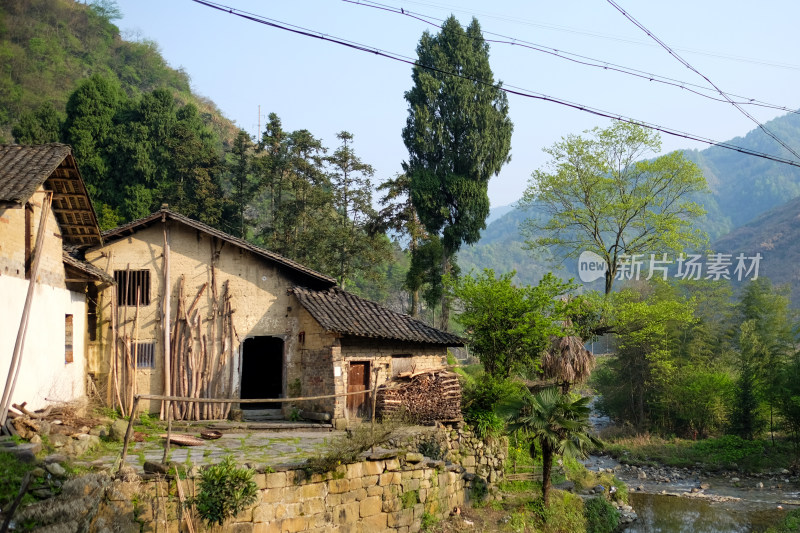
point(48, 46)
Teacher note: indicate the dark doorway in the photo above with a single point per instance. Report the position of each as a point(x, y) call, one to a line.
point(262, 371)
point(358, 380)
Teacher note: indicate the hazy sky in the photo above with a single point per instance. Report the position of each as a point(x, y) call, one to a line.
point(746, 48)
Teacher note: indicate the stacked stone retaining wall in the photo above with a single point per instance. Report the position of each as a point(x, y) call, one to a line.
point(386, 491)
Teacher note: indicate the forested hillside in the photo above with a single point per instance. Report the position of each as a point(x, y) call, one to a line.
point(142, 139)
point(48, 46)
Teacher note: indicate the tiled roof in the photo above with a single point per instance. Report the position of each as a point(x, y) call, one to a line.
point(340, 311)
point(23, 169)
point(123, 231)
point(87, 268)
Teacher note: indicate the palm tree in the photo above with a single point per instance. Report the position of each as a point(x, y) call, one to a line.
point(559, 425)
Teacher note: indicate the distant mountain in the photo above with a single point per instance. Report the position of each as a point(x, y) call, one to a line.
point(776, 236)
point(48, 46)
point(745, 186)
point(742, 188)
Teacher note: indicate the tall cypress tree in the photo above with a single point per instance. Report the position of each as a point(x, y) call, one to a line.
point(458, 135)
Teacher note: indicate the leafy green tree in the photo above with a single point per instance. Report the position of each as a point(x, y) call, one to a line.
point(355, 248)
point(41, 126)
point(242, 182)
point(508, 327)
point(560, 425)
point(764, 341)
point(747, 420)
point(399, 216)
point(598, 196)
point(647, 320)
point(458, 135)
point(89, 128)
point(294, 195)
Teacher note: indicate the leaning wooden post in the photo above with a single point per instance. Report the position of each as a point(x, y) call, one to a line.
point(16, 359)
point(165, 322)
point(169, 431)
point(374, 402)
point(128, 431)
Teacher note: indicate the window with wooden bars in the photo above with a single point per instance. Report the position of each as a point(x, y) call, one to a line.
point(133, 287)
point(68, 352)
point(145, 355)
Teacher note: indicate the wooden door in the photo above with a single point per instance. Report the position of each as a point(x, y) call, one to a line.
point(358, 380)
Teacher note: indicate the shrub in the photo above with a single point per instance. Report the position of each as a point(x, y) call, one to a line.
point(479, 399)
point(432, 449)
point(791, 522)
point(225, 490)
point(346, 449)
point(601, 516)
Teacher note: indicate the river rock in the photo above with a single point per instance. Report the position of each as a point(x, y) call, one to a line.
point(642, 474)
point(56, 469)
point(735, 480)
point(705, 486)
point(118, 429)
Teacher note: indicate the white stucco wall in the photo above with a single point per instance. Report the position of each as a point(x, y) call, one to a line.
point(44, 373)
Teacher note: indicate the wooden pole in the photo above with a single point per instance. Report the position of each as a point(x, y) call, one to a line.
point(166, 296)
point(19, 345)
point(128, 431)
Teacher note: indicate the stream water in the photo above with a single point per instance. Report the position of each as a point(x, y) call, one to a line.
point(753, 504)
point(659, 513)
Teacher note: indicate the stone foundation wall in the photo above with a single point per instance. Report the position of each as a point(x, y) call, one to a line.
point(386, 491)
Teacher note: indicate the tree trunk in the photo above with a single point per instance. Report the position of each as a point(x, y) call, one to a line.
point(446, 268)
point(414, 303)
point(547, 464)
point(610, 274)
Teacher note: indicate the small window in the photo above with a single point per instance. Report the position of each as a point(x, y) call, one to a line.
point(133, 287)
point(28, 240)
point(301, 338)
point(68, 357)
point(91, 311)
point(402, 363)
point(146, 355)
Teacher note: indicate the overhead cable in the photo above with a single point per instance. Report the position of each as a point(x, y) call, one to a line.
point(577, 58)
point(685, 63)
point(510, 89)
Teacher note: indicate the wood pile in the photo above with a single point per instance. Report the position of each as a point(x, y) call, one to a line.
point(203, 358)
point(65, 429)
point(427, 396)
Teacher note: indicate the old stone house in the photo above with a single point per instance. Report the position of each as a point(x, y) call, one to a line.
point(197, 312)
point(50, 353)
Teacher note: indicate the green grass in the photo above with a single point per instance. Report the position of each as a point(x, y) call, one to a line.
point(11, 479)
point(723, 453)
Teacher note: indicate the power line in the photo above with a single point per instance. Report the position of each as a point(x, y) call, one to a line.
point(485, 14)
point(690, 67)
point(510, 89)
point(579, 59)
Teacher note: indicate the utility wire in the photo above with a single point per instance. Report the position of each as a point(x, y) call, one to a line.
point(579, 59)
point(690, 67)
point(510, 89)
point(486, 14)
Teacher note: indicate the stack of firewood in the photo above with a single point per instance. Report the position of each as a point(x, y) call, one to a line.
point(427, 396)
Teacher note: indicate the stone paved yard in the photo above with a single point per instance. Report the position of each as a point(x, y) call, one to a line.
point(253, 446)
